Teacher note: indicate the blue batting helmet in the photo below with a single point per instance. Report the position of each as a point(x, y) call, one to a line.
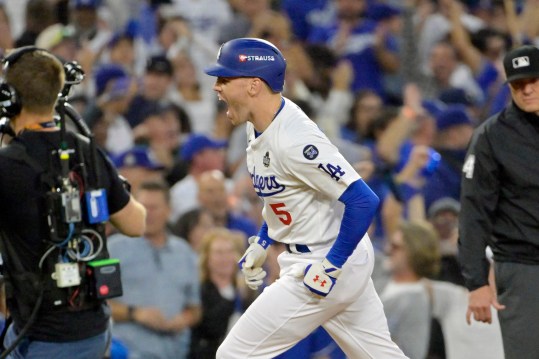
point(250, 57)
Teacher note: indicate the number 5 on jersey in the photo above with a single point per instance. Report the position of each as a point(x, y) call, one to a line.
point(284, 216)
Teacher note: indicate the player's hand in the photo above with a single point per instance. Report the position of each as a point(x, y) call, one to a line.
point(254, 277)
point(251, 263)
point(321, 277)
point(254, 256)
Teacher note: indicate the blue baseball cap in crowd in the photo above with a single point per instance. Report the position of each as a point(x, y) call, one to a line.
point(106, 73)
point(453, 115)
point(119, 88)
point(118, 36)
point(379, 12)
point(137, 156)
point(197, 143)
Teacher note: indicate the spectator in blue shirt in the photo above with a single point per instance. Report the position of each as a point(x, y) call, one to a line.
point(161, 289)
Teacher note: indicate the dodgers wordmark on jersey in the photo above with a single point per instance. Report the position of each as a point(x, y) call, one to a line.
point(300, 175)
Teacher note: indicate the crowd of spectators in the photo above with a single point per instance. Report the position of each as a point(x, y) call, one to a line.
point(397, 85)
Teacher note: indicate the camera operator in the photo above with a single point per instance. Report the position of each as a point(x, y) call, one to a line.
point(52, 319)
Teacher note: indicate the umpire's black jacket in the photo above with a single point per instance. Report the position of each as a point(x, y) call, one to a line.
point(500, 194)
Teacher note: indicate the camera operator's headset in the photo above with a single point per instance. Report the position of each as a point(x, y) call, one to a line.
point(10, 102)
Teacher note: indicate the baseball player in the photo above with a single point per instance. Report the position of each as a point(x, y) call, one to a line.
point(315, 203)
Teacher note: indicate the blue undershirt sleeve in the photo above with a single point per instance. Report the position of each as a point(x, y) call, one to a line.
point(265, 241)
point(360, 205)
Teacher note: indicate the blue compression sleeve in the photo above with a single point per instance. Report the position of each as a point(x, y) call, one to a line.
point(360, 204)
point(265, 241)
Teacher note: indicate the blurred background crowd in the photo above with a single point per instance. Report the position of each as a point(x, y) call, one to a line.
point(397, 85)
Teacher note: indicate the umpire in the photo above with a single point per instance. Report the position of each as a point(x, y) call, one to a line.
point(500, 208)
point(53, 316)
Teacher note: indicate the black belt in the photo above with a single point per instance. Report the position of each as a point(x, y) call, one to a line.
point(297, 248)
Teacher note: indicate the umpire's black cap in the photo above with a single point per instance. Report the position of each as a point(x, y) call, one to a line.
point(522, 63)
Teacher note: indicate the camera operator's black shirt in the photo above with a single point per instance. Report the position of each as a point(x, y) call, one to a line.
point(23, 220)
point(500, 194)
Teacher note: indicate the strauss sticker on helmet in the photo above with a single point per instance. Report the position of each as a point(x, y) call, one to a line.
point(244, 58)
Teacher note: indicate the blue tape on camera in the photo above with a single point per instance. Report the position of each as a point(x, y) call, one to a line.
point(96, 206)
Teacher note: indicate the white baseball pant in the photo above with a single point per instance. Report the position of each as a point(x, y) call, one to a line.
point(286, 311)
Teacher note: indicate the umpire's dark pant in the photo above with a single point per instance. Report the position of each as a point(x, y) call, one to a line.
point(518, 290)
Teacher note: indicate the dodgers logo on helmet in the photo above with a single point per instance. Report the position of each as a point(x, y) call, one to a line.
point(249, 57)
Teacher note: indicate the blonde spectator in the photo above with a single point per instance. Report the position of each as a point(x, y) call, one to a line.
point(221, 297)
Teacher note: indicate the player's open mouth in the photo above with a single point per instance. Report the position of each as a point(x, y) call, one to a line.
point(228, 107)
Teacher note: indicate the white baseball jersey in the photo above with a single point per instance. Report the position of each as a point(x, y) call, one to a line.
point(300, 175)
